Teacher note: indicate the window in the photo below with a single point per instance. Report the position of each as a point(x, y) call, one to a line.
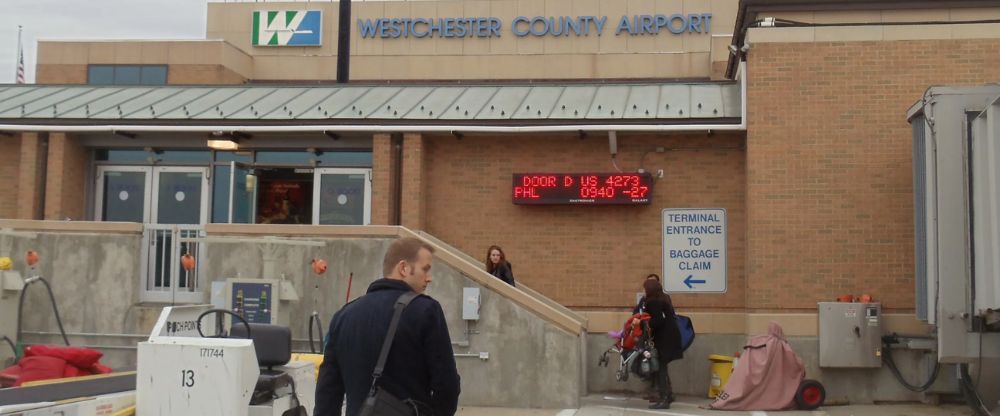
point(127, 74)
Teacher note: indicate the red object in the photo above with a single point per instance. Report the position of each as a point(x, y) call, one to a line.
point(45, 362)
point(187, 261)
point(31, 257)
point(319, 266)
point(76, 356)
point(845, 298)
point(349, 280)
point(633, 331)
point(41, 368)
point(9, 375)
point(866, 298)
point(812, 395)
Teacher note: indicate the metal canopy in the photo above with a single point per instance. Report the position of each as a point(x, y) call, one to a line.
point(427, 104)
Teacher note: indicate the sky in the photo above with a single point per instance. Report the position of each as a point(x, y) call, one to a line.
point(92, 20)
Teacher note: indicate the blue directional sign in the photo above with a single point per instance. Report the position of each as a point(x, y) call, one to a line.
point(694, 250)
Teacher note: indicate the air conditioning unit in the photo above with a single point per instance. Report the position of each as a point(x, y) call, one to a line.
point(956, 183)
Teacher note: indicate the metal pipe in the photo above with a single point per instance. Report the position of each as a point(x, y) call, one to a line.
point(480, 355)
point(344, 43)
point(396, 173)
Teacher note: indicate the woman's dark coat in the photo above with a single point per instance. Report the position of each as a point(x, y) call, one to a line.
point(503, 272)
point(666, 335)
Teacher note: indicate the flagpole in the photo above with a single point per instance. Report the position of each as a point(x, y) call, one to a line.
point(17, 58)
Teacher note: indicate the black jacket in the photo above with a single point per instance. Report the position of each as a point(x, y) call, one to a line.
point(504, 272)
point(666, 334)
point(420, 366)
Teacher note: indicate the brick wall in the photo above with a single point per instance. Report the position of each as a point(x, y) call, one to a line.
point(583, 256)
point(829, 177)
point(65, 184)
point(10, 161)
point(31, 174)
point(414, 193)
point(381, 182)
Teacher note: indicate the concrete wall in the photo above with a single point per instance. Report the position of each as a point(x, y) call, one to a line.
point(95, 280)
point(691, 375)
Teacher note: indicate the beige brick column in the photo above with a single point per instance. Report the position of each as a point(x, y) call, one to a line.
point(64, 195)
point(412, 200)
point(27, 180)
point(382, 156)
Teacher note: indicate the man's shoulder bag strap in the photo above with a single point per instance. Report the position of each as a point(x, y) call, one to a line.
point(401, 304)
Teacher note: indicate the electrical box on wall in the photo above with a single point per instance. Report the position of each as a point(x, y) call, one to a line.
point(470, 303)
point(254, 299)
point(850, 334)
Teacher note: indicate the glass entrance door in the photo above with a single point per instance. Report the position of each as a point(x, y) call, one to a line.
point(242, 194)
point(172, 205)
point(123, 193)
point(180, 195)
point(342, 196)
point(179, 204)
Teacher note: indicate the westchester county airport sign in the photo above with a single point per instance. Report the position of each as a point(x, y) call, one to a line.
point(537, 26)
point(694, 250)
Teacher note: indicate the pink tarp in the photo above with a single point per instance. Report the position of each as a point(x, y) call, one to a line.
point(766, 377)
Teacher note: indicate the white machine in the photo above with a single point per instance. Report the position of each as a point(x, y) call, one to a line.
point(182, 373)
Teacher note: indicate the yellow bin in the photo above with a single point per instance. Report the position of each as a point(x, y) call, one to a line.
point(722, 367)
point(316, 359)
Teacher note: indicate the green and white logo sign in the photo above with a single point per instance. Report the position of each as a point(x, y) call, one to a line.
point(287, 28)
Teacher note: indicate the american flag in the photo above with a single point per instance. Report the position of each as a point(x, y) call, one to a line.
point(20, 67)
point(19, 77)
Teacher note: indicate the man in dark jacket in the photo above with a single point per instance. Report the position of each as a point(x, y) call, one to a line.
point(420, 365)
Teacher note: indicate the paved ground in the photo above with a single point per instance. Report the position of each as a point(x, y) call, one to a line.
point(612, 405)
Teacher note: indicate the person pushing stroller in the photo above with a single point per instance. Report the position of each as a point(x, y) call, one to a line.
point(666, 338)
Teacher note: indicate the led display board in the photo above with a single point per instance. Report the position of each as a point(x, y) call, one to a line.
point(582, 188)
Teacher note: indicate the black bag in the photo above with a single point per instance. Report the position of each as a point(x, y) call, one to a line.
point(296, 411)
point(383, 403)
point(380, 402)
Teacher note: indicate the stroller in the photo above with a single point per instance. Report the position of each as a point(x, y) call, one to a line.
point(634, 348)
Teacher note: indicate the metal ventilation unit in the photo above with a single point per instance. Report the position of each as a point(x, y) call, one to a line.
point(956, 175)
